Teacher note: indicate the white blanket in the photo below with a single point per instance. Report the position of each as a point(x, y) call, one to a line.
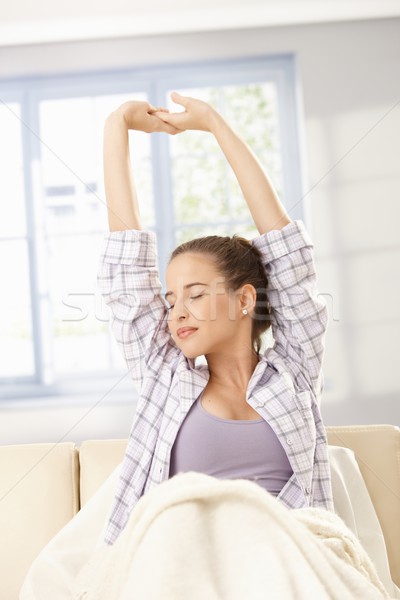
point(53, 575)
point(195, 536)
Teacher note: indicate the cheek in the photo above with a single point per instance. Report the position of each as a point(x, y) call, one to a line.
point(200, 313)
point(227, 307)
point(208, 309)
point(221, 310)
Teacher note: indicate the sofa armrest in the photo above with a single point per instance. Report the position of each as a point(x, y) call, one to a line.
point(377, 451)
point(39, 491)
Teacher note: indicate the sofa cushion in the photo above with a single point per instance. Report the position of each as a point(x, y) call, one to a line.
point(98, 458)
point(39, 495)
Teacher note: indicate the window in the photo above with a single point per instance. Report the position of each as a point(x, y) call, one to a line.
point(54, 326)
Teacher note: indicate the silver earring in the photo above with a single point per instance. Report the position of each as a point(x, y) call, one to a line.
point(244, 311)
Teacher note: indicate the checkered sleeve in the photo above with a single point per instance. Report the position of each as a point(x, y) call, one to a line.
point(129, 283)
point(299, 313)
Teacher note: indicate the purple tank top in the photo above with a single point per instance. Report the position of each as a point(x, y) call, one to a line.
point(230, 449)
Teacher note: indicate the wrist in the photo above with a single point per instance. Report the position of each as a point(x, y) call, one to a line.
point(217, 122)
point(116, 119)
point(126, 114)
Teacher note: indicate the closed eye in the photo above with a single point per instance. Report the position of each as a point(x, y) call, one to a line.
point(195, 297)
point(171, 306)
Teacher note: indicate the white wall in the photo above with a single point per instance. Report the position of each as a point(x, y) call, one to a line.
point(46, 21)
point(350, 85)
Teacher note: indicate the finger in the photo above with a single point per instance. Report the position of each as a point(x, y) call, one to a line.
point(174, 119)
point(168, 128)
point(160, 125)
point(161, 115)
point(179, 99)
point(154, 109)
point(173, 130)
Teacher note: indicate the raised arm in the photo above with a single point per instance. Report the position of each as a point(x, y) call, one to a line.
point(128, 273)
point(266, 209)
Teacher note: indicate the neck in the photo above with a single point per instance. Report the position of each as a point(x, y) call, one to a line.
point(232, 370)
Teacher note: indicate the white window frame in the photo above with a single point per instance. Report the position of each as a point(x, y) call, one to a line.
point(155, 81)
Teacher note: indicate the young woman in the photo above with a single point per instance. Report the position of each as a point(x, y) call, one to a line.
point(236, 442)
point(222, 294)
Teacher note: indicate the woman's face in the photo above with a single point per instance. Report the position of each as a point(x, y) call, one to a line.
point(203, 314)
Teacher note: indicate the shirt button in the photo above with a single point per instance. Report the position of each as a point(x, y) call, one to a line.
point(289, 441)
point(308, 491)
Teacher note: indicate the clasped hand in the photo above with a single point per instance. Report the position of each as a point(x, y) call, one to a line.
point(143, 116)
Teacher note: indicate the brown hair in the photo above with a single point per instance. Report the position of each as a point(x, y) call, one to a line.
point(240, 262)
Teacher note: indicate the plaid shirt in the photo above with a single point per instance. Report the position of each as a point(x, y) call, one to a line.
point(285, 387)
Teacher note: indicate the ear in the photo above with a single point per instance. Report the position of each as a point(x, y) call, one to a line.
point(247, 297)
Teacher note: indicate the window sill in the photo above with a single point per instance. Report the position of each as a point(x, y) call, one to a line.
point(117, 388)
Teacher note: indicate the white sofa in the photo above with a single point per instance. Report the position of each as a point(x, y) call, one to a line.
point(42, 486)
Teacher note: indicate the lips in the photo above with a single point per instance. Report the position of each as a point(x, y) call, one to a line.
point(184, 332)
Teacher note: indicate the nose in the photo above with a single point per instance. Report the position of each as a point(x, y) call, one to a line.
point(181, 311)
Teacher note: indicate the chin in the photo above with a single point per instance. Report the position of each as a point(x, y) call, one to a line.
point(191, 352)
point(191, 355)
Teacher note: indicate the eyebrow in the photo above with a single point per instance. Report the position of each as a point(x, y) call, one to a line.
point(185, 287)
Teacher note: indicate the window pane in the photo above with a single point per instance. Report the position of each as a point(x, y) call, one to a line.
point(200, 198)
point(79, 326)
point(12, 193)
point(72, 163)
point(204, 185)
point(16, 348)
point(73, 192)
